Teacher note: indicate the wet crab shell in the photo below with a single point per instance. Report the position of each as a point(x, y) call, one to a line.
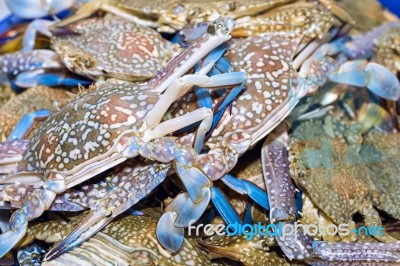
point(114, 47)
point(86, 129)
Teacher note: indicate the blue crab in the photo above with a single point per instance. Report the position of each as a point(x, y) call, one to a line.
point(283, 209)
point(110, 46)
point(248, 252)
point(170, 16)
point(228, 140)
point(272, 92)
point(365, 20)
point(113, 47)
point(335, 178)
point(123, 118)
point(380, 154)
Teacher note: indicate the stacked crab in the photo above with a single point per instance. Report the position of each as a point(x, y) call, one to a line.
point(151, 105)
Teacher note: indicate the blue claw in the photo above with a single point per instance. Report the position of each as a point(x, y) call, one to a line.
point(245, 187)
point(13, 20)
point(375, 77)
point(193, 180)
point(231, 96)
point(134, 212)
point(169, 236)
point(224, 207)
point(52, 80)
point(40, 77)
point(221, 108)
point(26, 123)
point(10, 238)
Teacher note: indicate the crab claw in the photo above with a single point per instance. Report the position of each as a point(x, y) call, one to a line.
point(181, 212)
point(50, 79)
point(18, 225)
point(170, 236)
point(375, 77)
point(91, 225)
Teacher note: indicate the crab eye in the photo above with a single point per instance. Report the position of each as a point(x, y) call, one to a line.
point(88, 63)
point(301, 174)
point(211, 29)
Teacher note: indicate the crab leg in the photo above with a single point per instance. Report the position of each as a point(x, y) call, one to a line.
point(360, 73)
point(15, 63)
point(282, 192)
point(138, 181)
point(338, 253)
point(183, 84)
point(51, 79)
point(10, 154)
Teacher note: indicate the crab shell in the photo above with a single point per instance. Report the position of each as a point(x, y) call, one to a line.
point(113, 47)
point(169, 16)
point(380, 152)
point(330, 171)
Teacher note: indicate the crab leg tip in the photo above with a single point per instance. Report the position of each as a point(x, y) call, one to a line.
point(87, 228)
point(224, 208)
point(10, 238)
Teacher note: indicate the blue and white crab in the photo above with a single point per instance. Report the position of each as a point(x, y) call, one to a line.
point(225, 150)
point(273, 89)
point(121, 117)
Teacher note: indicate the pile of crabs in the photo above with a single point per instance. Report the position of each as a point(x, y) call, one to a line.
point(132, 130)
